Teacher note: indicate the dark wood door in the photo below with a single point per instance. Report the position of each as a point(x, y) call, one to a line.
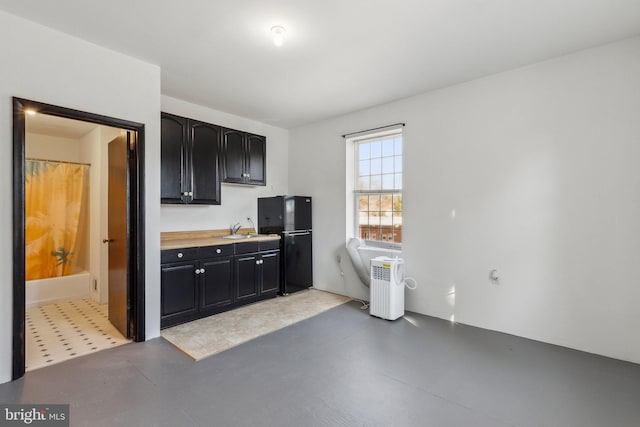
point(178, 290)
point(173, 161)
point(246, 276)
point(216, 280)
point(118, 223)
point(270, 266)
point(255, 162)
point(205, 171)
point(233, 156)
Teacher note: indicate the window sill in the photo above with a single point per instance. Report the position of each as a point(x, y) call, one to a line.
point(384, 245)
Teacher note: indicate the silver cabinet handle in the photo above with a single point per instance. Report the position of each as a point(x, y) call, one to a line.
point(191, 193)
point(180, 255)
point(197, 271)
point(218, 251)
point(202, 271)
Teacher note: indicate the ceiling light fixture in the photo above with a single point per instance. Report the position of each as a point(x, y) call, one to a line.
point(278, 35)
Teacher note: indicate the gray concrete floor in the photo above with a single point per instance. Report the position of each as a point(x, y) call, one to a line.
point(344, 368)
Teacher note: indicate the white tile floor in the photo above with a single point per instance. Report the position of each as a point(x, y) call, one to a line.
point(63, 330)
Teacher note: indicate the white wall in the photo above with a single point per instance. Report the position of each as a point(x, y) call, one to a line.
point(238, 201)
point(51, 147)
point(94, 149)
point(541, 167)
point(48, 66)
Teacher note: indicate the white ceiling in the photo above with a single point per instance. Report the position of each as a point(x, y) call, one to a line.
point(339, 55)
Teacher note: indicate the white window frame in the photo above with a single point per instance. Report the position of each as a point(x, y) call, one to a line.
point(353, 160)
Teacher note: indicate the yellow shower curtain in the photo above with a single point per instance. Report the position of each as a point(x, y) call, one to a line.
point(54, 194)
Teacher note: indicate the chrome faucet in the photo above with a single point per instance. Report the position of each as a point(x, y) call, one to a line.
point(255, 230)
point(235, 228)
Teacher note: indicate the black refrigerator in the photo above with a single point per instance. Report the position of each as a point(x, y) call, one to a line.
point(290, 217)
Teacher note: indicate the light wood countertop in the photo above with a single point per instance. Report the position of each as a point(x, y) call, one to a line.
point(200, 238)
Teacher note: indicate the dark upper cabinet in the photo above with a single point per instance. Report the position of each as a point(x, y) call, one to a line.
point(205, 163)
point(190, 161)
point(256, 159)
point(233, 156)
point(243, 158)
point(172, 161)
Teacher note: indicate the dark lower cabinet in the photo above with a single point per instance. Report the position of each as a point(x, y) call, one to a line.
point(270, 272)
point(216, 283)
point(179, 291)
point(246, 276)
point(195, 286)
point(257, 274)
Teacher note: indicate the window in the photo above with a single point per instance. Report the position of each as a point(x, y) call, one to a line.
point(378, 188)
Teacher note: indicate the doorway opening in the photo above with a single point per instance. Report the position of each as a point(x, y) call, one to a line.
point(78, 233)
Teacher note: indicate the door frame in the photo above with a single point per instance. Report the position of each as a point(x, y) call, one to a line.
point(136, 262)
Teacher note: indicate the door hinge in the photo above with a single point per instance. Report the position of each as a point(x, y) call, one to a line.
point(132, 141)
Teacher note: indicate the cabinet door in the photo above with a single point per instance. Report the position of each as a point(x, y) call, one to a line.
point(178, 290)
point(204, 160)
point(246, 277)
point(255, 162)
point(216, 282)
point(270, 272)
point(172, 158)
point(233, 155)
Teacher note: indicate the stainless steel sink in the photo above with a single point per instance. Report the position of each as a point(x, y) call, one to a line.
point(238, 236)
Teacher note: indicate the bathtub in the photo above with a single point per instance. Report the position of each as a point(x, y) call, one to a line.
point(361, 255)
point(44, 291)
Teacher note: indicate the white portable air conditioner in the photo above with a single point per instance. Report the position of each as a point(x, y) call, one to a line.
point(387, 288)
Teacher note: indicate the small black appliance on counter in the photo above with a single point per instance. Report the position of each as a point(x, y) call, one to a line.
point(290, 217)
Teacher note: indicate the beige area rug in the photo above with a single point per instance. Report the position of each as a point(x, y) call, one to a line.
point(214, 334)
